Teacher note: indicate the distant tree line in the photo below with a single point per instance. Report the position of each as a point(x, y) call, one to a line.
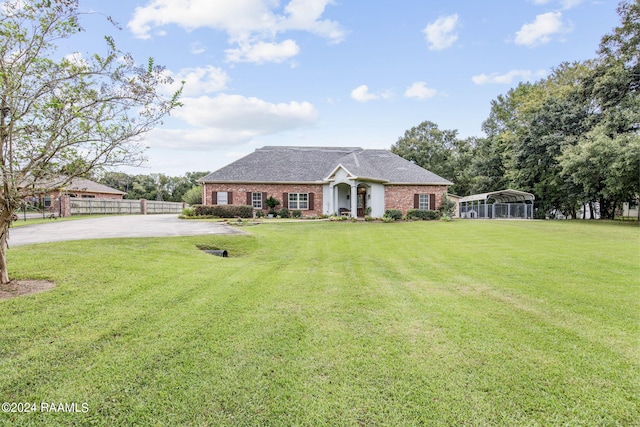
point(157, 186)
point(571, 139)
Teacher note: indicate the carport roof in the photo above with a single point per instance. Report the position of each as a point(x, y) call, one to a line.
point(501, 196)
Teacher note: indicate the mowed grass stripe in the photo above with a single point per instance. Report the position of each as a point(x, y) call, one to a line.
point(462, 323)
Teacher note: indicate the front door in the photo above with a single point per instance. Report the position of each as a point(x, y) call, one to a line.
point(362, 201)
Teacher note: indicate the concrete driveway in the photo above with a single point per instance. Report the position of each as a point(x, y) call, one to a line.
point(116, 226)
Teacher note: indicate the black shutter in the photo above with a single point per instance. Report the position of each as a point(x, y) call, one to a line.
point(416, 201)
point(264, 200)
point(432, 202)
point(249, 198)
point(230, 198)
point(285, 200)
point(214, 197)
point(310, 201)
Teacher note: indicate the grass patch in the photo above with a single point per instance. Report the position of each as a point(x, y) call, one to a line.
point(332, 323)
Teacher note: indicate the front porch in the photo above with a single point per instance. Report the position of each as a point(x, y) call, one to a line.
point(347, 194)
point(353, 200)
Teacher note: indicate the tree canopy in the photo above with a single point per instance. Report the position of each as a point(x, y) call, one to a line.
point(571, 139)
point(155, 186)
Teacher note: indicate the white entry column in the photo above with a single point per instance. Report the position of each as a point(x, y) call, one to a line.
point(354, 199)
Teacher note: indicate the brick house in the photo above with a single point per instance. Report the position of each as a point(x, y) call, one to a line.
point(47, 194)
point(325, 180)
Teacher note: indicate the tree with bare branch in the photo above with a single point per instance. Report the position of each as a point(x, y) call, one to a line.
point(63, 116)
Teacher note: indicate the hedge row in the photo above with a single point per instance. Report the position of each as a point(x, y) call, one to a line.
point(224, 211)
point(395, 214)
point(423, 214)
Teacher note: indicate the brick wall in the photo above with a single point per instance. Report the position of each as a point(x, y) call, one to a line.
point(276, 190)
point(402, 196)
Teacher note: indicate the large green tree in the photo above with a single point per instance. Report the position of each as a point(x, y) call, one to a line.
point(63, 114)
point(606, 168)
point(155, 186)
point(505, 126)
point(439, 151)
point(560, 118)
point(613, 145)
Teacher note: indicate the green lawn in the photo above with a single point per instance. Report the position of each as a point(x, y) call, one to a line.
point(467, 323)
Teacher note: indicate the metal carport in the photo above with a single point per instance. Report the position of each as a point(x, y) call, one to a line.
point(511, 204)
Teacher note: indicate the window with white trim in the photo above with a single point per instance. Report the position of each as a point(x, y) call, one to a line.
point(423, 202)
point(222, 198)
point(299, 201)
point(256, 199)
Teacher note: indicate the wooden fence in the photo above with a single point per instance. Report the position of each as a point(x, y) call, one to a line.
point(154, 207)
point(78, 206)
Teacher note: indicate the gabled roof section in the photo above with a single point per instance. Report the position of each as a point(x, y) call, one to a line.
point(319, 164)
point(384, 166)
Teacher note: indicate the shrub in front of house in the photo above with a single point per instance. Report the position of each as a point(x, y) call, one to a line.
point(393, 214)
point(284, 213)
point(423, 214)
point(188, 212)
point(296, 214)
point(224, 211)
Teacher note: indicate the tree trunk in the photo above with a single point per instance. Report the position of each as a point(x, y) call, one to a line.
point(4, 272)
point(5, 222)
point(6, 217)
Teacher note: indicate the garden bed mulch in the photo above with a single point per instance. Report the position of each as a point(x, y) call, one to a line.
point(17, 288)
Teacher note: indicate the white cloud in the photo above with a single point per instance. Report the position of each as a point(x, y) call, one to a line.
point(235, 17)
point(509, 77)
point(566, 4)
point(305, 15)
point(440, 33)
point(231, 119)
point(362, 94)
point(253, 25)
point(198, 81)
point(262, 52)
point(541, 30)
point(420, 90)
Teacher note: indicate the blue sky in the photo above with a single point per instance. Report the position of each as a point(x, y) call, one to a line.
point(336, 72)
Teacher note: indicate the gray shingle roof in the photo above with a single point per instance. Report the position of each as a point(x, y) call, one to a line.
point(75, 184)
point(315, 164)
point(82, 184)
